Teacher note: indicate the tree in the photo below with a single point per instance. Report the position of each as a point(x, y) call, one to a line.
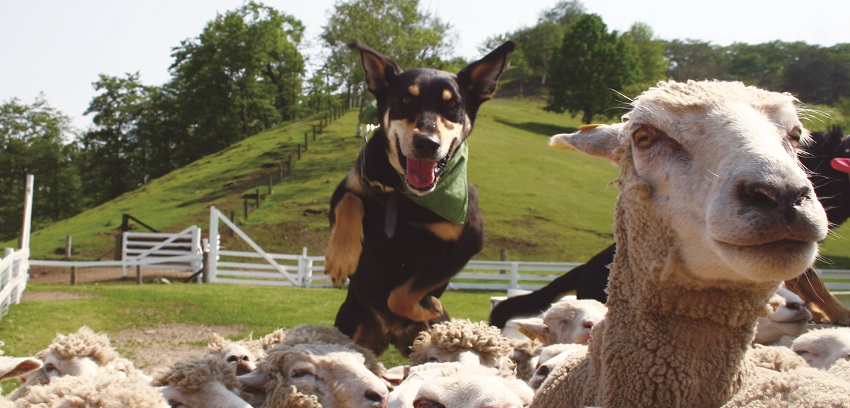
point(33, 141)
point(819, 74)
point(395, 28)
point(650, 55)
point(241, 75)
point(697, 60)
point(113, 156)
point(589, 65)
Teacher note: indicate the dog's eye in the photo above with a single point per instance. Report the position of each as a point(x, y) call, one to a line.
point(644, 137)
point(407, 99)
point(451, 104)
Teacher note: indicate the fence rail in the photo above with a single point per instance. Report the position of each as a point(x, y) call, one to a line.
point(13, 277)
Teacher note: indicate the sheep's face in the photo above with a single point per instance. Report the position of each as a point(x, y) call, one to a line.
point(716, 161)
point(240, 357)
point(822, 348)
point(788, 316)
point(441, 385)
point(212, 394)
point(55, 366)
point(335, 374)
point(572, 321)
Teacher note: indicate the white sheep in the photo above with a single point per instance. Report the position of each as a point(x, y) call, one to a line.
point(714, 211)
point(242, 354)
point(550, 357)
point(821, 348)
point(459, 385)
point(787, 318)
point(473, 343)
point(566, 321)
point(100, 390)
point(201, 382)
point(336, 374)
point(81, 353)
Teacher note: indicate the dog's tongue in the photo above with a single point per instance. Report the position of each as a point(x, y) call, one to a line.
point(420, 173)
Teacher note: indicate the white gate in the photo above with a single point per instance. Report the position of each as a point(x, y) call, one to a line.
point(136, 246)
point(258, 267)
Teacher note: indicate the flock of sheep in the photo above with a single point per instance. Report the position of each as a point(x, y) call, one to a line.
point(458, 363)
point(714, 212)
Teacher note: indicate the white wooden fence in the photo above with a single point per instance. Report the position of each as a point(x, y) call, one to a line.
point(13, 277)
point(14, 266)
point(259, 267)
point(136, 246)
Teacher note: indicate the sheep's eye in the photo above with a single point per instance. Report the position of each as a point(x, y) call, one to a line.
point(50, 369)
point(424, 403)
point(543, 370)
point(300, 373)
point(644, 137)
point(794, 136)
point(433, 360)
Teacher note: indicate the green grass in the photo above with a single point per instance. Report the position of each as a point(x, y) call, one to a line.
point(539, 203)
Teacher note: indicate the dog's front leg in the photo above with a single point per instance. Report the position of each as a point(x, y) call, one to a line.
point(407, 301)
point(346, 242)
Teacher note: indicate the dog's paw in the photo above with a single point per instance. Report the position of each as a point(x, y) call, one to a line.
point(429, 309)
point(341, 262)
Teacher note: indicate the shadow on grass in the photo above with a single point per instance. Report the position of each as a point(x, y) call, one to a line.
point(544, 129)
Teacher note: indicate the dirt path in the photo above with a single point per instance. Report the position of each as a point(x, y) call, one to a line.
point(151, 348)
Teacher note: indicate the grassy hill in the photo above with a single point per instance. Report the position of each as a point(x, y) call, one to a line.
point(538, 203)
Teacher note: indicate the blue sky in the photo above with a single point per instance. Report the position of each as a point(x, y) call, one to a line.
point(58, 47)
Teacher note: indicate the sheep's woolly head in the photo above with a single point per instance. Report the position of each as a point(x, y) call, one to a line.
point(84, 343)
point(106, 390)
point(270, 340)
point(192, 375)
point(459, 340)
point(712, 166)
point(243, 354)
point(336, 374)
point(310, 333)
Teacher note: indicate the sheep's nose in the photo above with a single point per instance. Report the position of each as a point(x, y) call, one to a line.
point(783, 198)
point(426, 145)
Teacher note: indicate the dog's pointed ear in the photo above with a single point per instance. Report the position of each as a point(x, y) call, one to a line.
point(379, 69)
point(481, 77)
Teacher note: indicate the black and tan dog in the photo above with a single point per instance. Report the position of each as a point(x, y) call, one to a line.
point(405, 220)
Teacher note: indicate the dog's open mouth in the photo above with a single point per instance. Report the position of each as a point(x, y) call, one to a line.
point(422, 174)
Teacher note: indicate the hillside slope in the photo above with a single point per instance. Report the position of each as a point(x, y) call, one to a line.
point(538, 203)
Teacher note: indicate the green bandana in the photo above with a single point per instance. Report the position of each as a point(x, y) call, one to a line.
point(451, 197)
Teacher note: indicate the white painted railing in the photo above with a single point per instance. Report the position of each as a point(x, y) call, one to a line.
point(13, 277)
point(136, 246)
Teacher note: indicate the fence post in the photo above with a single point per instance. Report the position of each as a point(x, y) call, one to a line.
point(205, 258)
point(138, 274)
point(305, 269)
point(212, 254)
point(68, 251)
point(299, 152)
point(514, 275)
point(503, 256)
point(270, 184)
point(24, 242)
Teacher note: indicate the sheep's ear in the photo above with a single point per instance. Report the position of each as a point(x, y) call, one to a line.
point(17, 366)
point(533, 328)
point(595, 140)
point(254, 379)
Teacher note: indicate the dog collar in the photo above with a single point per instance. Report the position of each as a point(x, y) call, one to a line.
point(450, 199)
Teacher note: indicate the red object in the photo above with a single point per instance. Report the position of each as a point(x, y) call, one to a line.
point(841, 164)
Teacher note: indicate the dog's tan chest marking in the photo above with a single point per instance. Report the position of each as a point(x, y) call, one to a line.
point(346, 242)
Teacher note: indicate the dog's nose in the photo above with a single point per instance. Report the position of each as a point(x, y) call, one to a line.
point(425, 145)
